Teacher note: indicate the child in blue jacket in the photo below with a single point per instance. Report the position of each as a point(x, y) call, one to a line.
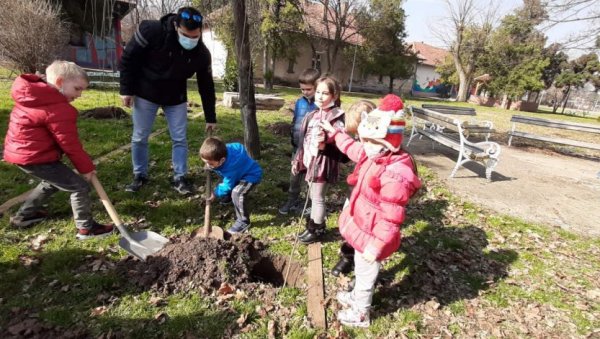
point(305, 104)
point(240, 174)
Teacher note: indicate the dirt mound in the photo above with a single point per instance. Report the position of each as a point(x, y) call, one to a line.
point(282, 129)
point(203, 263)
point(108, 112)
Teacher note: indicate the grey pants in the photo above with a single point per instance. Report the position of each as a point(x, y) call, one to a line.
point(317, 196)
point(57, 176)
point(238, 197)
point(365, 274)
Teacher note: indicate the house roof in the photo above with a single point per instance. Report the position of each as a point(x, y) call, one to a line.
point(429, 55)
point(316, 26)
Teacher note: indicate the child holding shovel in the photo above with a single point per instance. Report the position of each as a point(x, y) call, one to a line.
point(240, 174)
point(386, 179)
point(42, 127)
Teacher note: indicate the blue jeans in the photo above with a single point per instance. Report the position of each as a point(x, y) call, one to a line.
point(144, 113)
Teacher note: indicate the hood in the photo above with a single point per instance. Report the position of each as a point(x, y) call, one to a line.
point(167, 22)
point(407, 168)
point(30, 90)
point(233, 156)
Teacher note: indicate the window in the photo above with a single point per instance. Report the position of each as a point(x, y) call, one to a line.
point(316, 61)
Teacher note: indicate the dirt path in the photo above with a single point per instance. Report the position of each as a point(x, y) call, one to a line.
point(534, 185)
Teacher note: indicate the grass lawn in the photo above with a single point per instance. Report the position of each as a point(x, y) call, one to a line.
point(461, 271)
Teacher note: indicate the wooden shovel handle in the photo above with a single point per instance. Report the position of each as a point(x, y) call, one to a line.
point(106, 201)
point(207, 227)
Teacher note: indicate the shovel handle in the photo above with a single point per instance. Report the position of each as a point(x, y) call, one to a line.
point(112, 212)
point(207, 227)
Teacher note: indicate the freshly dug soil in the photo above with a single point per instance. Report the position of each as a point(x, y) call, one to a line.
point(188, 264)
point(282, 129)
point(108, 112)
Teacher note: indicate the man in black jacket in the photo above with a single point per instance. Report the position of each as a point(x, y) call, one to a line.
point(154, 68)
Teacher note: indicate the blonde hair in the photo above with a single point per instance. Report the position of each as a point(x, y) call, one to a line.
point(66, 70)
point(353, 114)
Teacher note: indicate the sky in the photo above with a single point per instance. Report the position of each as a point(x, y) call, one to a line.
point(422, 14)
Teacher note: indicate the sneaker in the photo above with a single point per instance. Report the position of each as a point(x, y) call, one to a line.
point(238, 228)
point(26, 222)
point(353, 317)
point(345, 298)
point(139, 180)
point(182, 186)
point(96, 231)
point(290, 206)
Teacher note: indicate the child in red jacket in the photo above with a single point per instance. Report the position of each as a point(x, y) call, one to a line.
point(43, 126)
point(386, 179)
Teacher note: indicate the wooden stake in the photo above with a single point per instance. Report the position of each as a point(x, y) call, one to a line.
point(316, 293)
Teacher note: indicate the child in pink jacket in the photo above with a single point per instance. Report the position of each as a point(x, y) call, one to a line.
point(385, 182)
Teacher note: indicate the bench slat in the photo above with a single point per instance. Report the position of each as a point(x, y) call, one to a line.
point(556, 124)
point(435, 118)
point(450, 109)
point(556, 140)
point(451, 142)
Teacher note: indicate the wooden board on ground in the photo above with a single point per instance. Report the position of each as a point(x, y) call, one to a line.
point(263, 101)
point(316, 294)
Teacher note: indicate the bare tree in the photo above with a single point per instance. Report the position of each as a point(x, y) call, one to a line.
point(336, 29)
point(32, 35)
point(570, 11)
point(150, 10)
point(465, 32)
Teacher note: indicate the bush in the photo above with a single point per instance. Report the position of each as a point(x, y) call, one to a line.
point(230, 79)
point(32, 35)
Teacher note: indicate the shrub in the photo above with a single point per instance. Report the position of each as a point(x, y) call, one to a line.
point(32, 35)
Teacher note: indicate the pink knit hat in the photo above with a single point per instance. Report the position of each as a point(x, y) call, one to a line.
point(385, 125)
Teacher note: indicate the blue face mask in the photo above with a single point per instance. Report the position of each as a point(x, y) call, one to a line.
point(187, 43)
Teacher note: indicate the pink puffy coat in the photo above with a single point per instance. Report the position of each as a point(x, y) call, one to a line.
point(383, 185)
point(43, 126)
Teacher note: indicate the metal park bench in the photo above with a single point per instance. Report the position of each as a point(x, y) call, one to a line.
point(444, 109)
point(453, 133)
point(558, 124)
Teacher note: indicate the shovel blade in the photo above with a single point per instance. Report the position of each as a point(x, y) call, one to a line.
point(143, 244)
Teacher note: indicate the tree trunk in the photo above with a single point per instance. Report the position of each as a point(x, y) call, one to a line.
point(267, 70)
point(566, 99)
point(246, 84)
point(391, 85)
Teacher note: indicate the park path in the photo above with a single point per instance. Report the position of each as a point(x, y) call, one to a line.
point(536, 186)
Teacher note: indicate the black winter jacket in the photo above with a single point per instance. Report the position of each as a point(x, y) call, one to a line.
point(155, 67)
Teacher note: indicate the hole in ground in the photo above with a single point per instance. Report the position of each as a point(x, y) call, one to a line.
point(274, 269)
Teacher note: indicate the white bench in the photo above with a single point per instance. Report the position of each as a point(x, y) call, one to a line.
point(453, 134)
point(558, 124)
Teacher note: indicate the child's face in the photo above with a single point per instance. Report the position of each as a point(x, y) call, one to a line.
point(213, 163)
point(71, 88)
point(323, 97)
point(308, 91)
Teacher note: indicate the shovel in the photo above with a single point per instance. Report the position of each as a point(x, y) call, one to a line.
point(208, 231)
point(139, 244)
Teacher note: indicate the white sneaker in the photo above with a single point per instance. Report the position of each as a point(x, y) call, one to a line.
point(345, 298)
point(353, 317)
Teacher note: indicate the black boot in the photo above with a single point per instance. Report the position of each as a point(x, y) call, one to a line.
point(315, 232)
point(306, 229)
point(346, 262)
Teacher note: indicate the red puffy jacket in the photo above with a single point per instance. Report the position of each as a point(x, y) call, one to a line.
point(43, 126)
point(382, 187)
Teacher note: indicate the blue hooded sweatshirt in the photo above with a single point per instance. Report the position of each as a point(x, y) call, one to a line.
point(303, 106)
point(237, 166)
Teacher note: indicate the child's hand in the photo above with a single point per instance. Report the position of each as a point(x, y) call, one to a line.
point(325, 125)
point(88, 176)
point(211, 198)
point(369, 257)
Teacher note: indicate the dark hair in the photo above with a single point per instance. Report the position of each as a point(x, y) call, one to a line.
point(333, 86)
point(309, 76)
point(189, 17)
point(213, 149)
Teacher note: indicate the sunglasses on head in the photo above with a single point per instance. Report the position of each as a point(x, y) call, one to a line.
point(188, 16)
